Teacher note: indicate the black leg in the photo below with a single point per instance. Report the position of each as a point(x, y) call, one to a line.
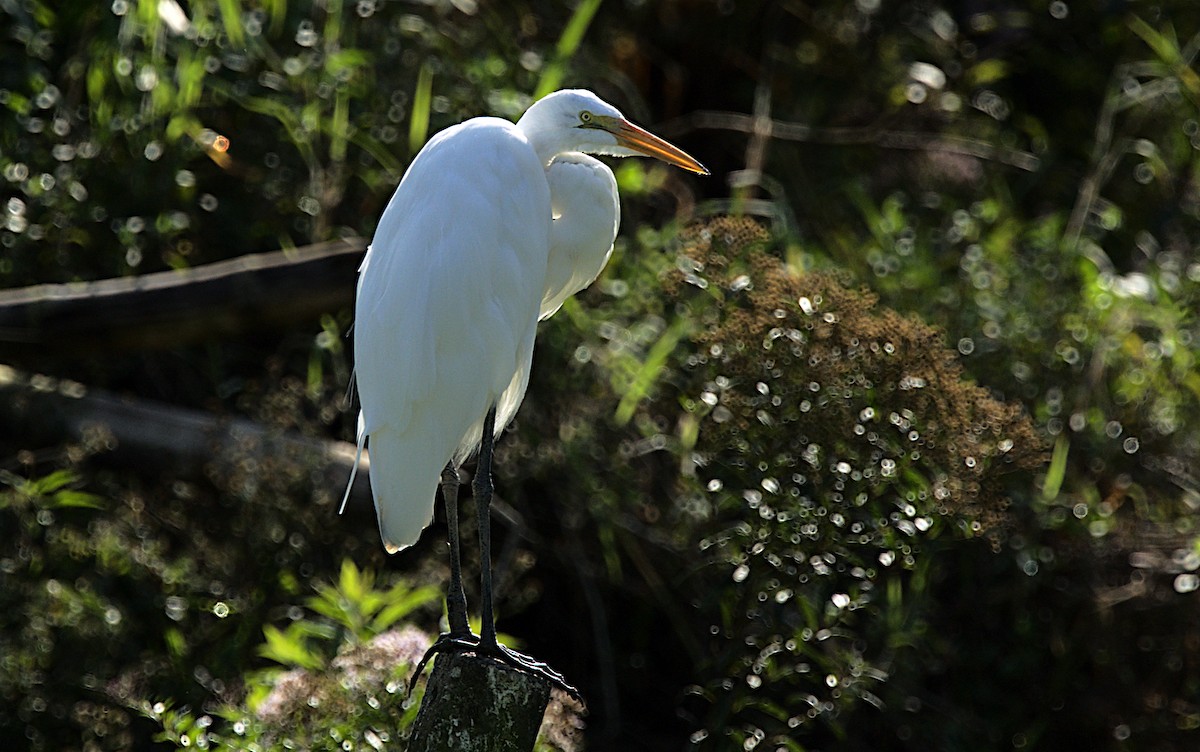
point(487, 645)
point(483, 507)
point(459, 637)
point(456, 600)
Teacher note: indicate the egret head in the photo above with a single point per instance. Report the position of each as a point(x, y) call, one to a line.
point(578, 120)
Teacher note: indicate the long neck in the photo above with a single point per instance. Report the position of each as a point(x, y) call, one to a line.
point(547, 142)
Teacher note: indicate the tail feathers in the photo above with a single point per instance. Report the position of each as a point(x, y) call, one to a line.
point(404, 482)
point(362, 442)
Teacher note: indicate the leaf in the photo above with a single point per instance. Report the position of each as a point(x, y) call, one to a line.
point(278, 12)
point(987, 72)
point(176, 643)
point(647, 374)
point(287, 648)
point(568, 43)
point(1165, 45)
point(418, 121)
point(53, 482)
point(231, 21)
point(1058, 468)
point(162, 97)
point(77, 499)
point(363, 140)
point(18, 103)
point(316, 375)
point(401, 603)
point(44, 15)
point(328, 603)
point(97, 82)
point(180, 125)
point(351, 582)
point(190, 75)
point(689, 431)
point(346, 60)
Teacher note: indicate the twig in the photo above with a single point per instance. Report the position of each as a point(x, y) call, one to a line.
point(1106, 156)
point(866, 135)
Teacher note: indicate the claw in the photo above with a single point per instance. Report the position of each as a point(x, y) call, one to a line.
point(529, 665)
point(448, 642)
point(460, 639)
point(471, 643)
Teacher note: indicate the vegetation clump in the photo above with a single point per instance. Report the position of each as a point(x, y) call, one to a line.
point(867, 392)
point(835, 439)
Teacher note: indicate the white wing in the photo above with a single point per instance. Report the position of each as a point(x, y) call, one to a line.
point(447, 308)
point(587, 212)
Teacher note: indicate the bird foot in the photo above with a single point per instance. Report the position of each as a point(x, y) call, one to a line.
point(447, 642)
point(471, 643)
point(528, 665)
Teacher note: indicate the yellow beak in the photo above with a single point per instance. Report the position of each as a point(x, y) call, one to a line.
point(644, 142)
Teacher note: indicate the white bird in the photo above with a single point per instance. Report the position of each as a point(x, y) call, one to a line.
point(493, 226)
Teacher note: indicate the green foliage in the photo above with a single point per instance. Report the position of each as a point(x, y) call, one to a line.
point(290, 121)
point(361, 611)
point(342, 680)
point(572, 37)
point(51, 492)
point(835, 439)
point(57, 608)
point(1024, 180)
point(126, 588)
point(341, 683)
point(800, 449)
point(1072, 289)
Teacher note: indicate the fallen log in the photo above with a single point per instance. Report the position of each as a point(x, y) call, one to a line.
point(41, 410)
point(257, 293)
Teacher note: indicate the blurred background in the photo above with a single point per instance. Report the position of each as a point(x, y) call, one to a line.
point(884, 436)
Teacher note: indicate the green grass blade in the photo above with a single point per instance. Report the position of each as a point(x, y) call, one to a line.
point(418, 122)
point(231, 21)
point(656, 361)
point(568, 43)
point(1058, 468)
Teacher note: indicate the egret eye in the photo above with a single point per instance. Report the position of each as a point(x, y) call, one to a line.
point(585, 117)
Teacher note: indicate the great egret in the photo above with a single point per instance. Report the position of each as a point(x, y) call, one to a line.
point(493, 226)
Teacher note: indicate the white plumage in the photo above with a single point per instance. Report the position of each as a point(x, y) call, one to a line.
point(493, 226)
point(587, 213)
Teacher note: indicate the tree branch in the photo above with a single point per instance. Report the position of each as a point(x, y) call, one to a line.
point(258, 292)
point(758, 126)
point(40, 410)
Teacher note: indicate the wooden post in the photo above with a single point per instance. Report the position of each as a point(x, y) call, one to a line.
point(476, 704)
